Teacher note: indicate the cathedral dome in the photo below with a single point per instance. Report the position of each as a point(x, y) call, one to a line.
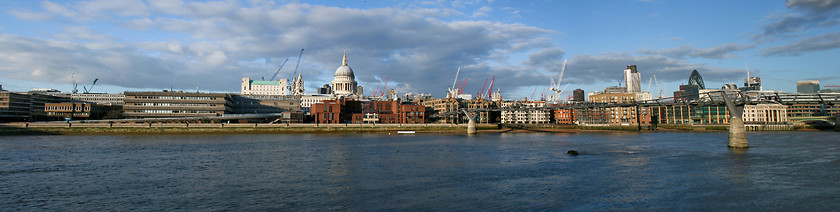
point(344, 70)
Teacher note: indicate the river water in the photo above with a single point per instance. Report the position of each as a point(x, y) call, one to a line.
point(664, 171)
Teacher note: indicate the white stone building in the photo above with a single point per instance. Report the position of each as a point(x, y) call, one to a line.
point(261, 87)
point(533, 116)
point(766, 117)
point(344, 83)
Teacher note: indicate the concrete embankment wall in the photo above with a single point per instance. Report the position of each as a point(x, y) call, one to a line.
point(176, 128)
point(216, 125)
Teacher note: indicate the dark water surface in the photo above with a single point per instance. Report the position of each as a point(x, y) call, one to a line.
point(664, 171)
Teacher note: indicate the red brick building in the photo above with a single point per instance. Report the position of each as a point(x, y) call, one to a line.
point(390, 112)
point(564, 116)
point(334, 111)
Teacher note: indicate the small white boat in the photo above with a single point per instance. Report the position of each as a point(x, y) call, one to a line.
point(405, 132)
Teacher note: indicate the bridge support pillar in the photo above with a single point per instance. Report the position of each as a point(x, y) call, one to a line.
point(737, 131)
point(471, 127)
point(471, 124)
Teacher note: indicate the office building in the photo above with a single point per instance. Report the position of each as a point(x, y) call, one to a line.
point(632, 79)
point(141, 104)
point(244, 104)
point(696, 79)
point(261, 87)
point(75, 110)
point(808, 86)
point(578, 95)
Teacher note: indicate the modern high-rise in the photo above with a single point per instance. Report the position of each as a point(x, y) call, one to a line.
point(632, 79)
point(578, 95)
point(808, 86)
point(696, 79)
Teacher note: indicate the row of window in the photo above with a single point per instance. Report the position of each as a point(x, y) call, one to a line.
point(174, 111)
point(67, 108)
point(177, 97)
point(174, 104)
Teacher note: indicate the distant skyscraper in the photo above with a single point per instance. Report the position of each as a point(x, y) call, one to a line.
point(578, 95)
point(696, 79)
point(808, 86)
point(632, 79)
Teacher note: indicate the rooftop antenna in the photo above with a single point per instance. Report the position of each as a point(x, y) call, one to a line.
point(747, 82)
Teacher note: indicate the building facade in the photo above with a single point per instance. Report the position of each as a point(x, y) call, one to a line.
point(261, 87)
point(808, 86)
point(244, 104)
point(632, 79)
point(74, 110)
point(624, 115)
point(390, 112)
point(578, 95)
point(14, 106)
point(175, 104)
point(100, 98)
point(525, 116)
point(763, 117)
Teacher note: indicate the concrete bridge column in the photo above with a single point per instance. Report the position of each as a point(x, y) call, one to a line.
point(471, 124)
point(737, 131)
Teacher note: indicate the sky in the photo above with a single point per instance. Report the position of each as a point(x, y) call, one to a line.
point(151, 45)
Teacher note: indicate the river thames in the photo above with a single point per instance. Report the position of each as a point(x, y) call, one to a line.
point(663, 171)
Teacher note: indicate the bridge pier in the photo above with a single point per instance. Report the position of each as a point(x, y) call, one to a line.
point(737, 131)
point(471, 124)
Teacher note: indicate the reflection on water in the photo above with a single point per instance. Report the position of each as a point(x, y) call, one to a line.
point(640, 171)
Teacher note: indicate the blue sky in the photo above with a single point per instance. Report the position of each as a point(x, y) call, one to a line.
point(418, 45)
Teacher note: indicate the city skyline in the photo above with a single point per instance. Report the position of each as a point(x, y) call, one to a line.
point(418, 45)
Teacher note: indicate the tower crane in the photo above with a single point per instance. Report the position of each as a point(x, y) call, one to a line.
point(91, 86)
point(75, 86)
point(453, 91)
point(556, 87)
point(278, 70)
point(296, 64)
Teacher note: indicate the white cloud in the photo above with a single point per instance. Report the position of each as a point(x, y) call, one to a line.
point(685, 51)
point(215, 43)
point(482, 12)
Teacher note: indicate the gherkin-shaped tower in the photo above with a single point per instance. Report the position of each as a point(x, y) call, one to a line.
point(696, 79)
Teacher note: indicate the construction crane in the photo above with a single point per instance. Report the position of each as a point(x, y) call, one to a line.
point(75, 86)
point(91, 86)
point(382, 92)
point(556, 87)
point(377, 87)
point(276, 72)
point(490, 91)
point(296, 64)
point(453, 91)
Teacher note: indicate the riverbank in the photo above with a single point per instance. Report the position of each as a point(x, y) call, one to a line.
point(59, 128)
point(63, 128)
